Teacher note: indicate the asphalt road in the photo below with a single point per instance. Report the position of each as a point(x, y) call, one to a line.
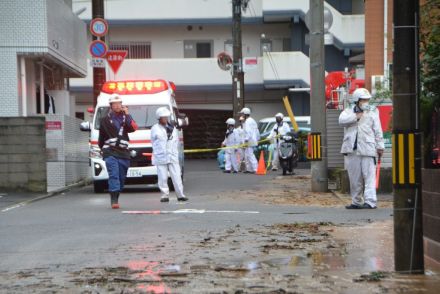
point(78, 229)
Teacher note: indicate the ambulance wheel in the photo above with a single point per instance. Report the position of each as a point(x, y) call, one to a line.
point(99, 186)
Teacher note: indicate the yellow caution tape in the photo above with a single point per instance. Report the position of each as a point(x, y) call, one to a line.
point(245, 145)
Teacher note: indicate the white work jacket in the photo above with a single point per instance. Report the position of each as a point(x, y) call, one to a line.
point(165, 150)
point(233, 139)
point(368, 131)
point(251, 133)
point(278, 131)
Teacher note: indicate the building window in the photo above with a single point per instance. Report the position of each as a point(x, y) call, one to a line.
point(197, 49)
point(265, 46)
point(135, 50)
point(79, 115)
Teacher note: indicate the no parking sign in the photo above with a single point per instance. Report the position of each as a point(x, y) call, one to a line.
point(98, 49)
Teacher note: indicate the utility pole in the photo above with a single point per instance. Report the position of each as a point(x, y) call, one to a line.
point(98, 73)
point(317, 93)
point(408, 230)
point(237, 58)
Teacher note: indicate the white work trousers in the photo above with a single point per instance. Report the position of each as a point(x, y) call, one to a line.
point(275, 157)
point(251, 161)
point(231, 161)
point(176, 177)
point(362, 174)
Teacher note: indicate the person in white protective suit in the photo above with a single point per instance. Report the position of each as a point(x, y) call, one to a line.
point(251, 137)
point(165, 140)
point(363, 141)
point(279, 129)
point(240, 151)
point(232, 139)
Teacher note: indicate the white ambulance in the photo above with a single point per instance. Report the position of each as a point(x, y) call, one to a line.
point(142, 98)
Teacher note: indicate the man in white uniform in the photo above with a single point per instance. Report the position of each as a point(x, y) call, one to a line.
point(165, 141)
point(232, 138)
point(363, 141)
point(240, 151)
point(251, 135)
point(280, 129)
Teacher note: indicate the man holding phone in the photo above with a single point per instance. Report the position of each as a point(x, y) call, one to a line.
point(113, 141)
point(363, 141)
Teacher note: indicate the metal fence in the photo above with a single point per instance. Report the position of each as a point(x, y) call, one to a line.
point(135, 50)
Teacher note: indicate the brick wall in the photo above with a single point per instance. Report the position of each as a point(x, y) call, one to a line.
point(22, 154)
point(374, 36)
point(431, 214)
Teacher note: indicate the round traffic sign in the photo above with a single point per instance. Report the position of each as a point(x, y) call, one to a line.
point(98, 27)
point(98, 49)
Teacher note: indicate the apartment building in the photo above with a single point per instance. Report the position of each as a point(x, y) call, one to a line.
point(179, 40)
point(42, 44)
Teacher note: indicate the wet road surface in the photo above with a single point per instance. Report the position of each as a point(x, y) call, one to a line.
point(228, 238)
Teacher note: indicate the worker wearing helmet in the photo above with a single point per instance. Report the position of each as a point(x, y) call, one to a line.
point(363, 141)
point(231, 142)
point(280, 128)
point(241, 150)
point(113, 141)
point(165, 141)
point(251, 137)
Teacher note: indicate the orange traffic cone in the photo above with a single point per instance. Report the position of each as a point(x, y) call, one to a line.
point(261, 170)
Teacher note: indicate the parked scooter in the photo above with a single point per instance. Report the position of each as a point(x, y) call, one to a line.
point(288, 153)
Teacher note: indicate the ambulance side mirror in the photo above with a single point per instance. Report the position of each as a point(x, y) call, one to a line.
point(85, 126)
point(182, 120)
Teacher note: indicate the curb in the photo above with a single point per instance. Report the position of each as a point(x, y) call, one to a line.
point(81, 183)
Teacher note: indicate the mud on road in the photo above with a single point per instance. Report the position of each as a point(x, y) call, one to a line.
point(282, 258)
point(296, 190)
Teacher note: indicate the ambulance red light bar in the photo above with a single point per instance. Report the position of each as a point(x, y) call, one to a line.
point(135, 87)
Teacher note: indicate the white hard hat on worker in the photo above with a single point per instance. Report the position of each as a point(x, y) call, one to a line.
point(163, 112)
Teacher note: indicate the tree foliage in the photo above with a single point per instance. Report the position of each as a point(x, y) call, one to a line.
point(430, 49)
point(430, 73)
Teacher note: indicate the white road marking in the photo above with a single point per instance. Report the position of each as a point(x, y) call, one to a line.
point(186, 211)
point(12, 207)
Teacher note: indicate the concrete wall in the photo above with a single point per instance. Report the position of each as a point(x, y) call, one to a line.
point(67, 151)
point(22, 154)
point(431, 214)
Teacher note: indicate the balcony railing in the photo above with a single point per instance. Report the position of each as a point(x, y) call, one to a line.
point(347, 30)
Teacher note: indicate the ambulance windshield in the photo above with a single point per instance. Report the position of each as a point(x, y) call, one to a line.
point(144, 115)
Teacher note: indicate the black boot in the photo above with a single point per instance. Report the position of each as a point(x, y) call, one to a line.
point(114, 199)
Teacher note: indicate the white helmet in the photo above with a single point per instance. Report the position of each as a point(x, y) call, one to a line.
point(280, 115)
point(230, 121)
point(163, 112)
point(360, 93)
point(246, 111)
point(114, 98)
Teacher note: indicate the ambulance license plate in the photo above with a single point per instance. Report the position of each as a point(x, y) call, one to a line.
point(134, 173)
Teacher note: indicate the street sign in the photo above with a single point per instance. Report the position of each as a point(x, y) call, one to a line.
point(53, 125)
point(99, 27)
point(115, 59)
point(250, 63)
point(98, 49)
point(97, 62)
